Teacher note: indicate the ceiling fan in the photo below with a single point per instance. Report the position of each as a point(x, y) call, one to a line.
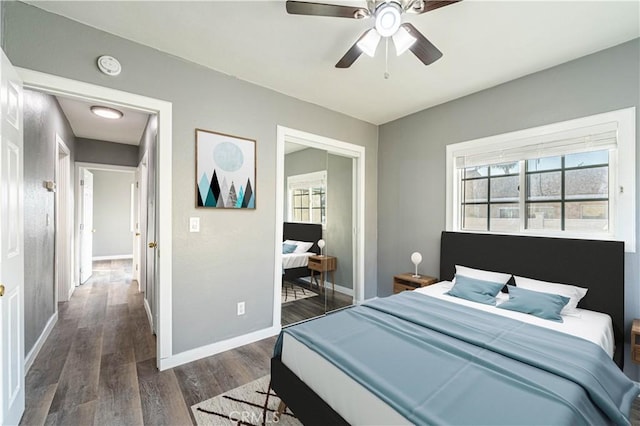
point(388, 23)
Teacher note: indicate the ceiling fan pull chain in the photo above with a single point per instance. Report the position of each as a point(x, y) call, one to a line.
point(386, 59)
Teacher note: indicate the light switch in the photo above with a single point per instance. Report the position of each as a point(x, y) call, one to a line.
point(194, 224)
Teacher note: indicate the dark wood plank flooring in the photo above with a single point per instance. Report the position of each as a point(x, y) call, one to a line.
point(98, 365)
point(300, 310)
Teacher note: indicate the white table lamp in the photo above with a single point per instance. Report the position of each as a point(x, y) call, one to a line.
point(416, 258)
point(321, 244)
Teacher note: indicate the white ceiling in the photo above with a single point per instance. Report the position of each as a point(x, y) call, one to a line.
point(485, 43)
point(85, 124)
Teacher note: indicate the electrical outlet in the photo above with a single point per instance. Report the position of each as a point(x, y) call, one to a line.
point(240, 308)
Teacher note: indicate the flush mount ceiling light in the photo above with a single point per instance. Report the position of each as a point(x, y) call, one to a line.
point(106, 112)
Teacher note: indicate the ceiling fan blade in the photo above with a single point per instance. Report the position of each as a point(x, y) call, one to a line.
point(320, 9)
point(430, 5)
point(352, 54)
point(422, 48)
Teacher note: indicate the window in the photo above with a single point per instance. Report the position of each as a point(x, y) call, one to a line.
point(307, 197)
point(573, 179)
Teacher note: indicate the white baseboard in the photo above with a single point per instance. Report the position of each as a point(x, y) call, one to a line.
point(327, 284)
point(33, 353)
point(113, 257)
point(147, 309)
point(216, 348)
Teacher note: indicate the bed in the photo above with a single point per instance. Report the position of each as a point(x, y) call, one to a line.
point(295, 264)
point(323, 396)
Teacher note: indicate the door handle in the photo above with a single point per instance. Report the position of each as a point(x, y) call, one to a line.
point(153, 244)
point(1, 290)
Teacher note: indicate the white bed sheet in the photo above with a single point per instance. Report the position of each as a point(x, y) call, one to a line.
point(295, 260)
point(593, 326)
point(347, 397)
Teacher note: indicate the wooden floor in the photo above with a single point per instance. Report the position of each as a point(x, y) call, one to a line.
point(98, 365)
point(312, 307)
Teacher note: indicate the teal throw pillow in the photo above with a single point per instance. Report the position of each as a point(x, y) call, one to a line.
point(475, 290)
point(288, 248)
point(542, 305)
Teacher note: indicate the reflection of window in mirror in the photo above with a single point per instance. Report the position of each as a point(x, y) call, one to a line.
point(307, 198)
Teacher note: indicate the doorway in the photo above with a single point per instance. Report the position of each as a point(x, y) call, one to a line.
point(105, 205)
point(350, 153)
point(83, 91)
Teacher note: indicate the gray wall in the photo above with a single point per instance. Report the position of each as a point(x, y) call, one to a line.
point(206, 263)
point(112, 213)
point(43, 118)
point(412, 151)
point(339, 204)
point(102, 152)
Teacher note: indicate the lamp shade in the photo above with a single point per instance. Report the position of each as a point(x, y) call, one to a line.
point(321, 244)
point(369, 43)
point(416, 258)
point(402, 40)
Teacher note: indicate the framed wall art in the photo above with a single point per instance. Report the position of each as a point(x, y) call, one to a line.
point(225, 171)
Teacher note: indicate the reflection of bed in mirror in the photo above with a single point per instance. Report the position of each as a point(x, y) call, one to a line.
point(343, 392)
point(295, 264)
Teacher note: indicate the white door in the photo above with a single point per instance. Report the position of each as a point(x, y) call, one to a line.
point(86, 226)
point(11, 247)
point(142, 224)
point(136, 229)
point(152, 253)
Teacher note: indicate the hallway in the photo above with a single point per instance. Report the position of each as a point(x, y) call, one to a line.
point(98, 365)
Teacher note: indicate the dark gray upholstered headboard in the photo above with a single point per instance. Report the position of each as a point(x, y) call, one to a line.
point(303, 232)
point(596, 265)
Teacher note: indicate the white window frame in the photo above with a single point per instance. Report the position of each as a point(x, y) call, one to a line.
point(307, 181)
point(622, 193)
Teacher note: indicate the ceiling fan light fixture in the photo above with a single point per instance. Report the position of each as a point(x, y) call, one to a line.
point(106, 112)
point(402, 40)
point(369, 42)
point(388, 19)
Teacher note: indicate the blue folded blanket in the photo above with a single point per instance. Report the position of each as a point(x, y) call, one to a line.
point(437, 362)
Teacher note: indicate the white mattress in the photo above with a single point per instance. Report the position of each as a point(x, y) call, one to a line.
point(295, 260)
point(357, 405)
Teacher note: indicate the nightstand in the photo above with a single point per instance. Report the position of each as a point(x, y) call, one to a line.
point(403, 282)
point(323, 264)
point(635, 345)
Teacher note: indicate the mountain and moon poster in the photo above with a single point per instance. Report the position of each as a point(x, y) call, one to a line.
point(225, 171)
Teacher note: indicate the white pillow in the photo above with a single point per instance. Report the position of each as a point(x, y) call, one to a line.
point(301, 246)
point(480, 274)
point(574, 293)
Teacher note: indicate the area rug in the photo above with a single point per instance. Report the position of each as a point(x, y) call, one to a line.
point(242, 406)
point(291, 294)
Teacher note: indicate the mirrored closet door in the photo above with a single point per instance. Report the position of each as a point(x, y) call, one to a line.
point(318, 208)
